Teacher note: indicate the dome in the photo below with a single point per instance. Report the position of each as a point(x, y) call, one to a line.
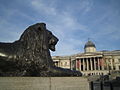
point(89, 44)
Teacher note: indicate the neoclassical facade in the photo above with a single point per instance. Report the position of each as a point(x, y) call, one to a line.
point(91, 62)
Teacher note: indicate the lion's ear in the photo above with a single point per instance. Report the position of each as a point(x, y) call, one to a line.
point(42, 26)
point(39, 28)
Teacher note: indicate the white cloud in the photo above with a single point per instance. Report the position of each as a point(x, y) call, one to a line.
point(86, 6)
point(80, 7)
point(69, 46)
point(42, 7)
point(65, 48)
point(10, 30)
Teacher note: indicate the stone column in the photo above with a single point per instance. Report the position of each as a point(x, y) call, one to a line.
point(72, 64)
point(76, 64)
point(83, 64)
point(107, 60)
point(111, 61)
point(94, 63)
point(87, 64)
point(91, 64)
point(98, 60)
point(59, 63)
point(80, 64)
point(102, 62)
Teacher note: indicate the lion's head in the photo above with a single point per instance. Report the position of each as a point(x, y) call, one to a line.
point(34, 52)
point(37, 36)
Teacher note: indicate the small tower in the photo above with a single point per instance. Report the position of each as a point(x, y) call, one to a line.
point(89, 47)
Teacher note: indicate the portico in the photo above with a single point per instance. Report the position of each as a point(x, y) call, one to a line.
point(90, 64)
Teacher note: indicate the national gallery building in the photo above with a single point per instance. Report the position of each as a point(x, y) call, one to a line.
point(91, 62)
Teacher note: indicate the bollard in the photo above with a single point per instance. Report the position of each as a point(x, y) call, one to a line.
point(101, 85)
point(91, 84)
point(111, 86)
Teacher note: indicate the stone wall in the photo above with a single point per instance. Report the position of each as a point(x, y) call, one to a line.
point(43, 83)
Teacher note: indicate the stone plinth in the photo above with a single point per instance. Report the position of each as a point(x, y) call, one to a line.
point(43, 83)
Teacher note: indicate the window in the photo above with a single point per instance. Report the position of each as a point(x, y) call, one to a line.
point(65, 63)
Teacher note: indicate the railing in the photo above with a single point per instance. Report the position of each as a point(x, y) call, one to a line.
point(99, 85)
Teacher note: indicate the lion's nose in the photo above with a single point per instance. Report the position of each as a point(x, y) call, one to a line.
point(54, 42)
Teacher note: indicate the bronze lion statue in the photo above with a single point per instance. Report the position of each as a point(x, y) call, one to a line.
point(30, 55)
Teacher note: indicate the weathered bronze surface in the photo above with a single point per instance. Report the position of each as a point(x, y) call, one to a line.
point(30, 55)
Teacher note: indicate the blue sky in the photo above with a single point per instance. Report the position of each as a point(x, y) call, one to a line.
point(72, 21)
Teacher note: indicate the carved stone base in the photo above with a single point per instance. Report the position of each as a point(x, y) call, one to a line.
point(43, 83)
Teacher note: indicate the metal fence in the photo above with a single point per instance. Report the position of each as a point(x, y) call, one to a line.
point(99, 85)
